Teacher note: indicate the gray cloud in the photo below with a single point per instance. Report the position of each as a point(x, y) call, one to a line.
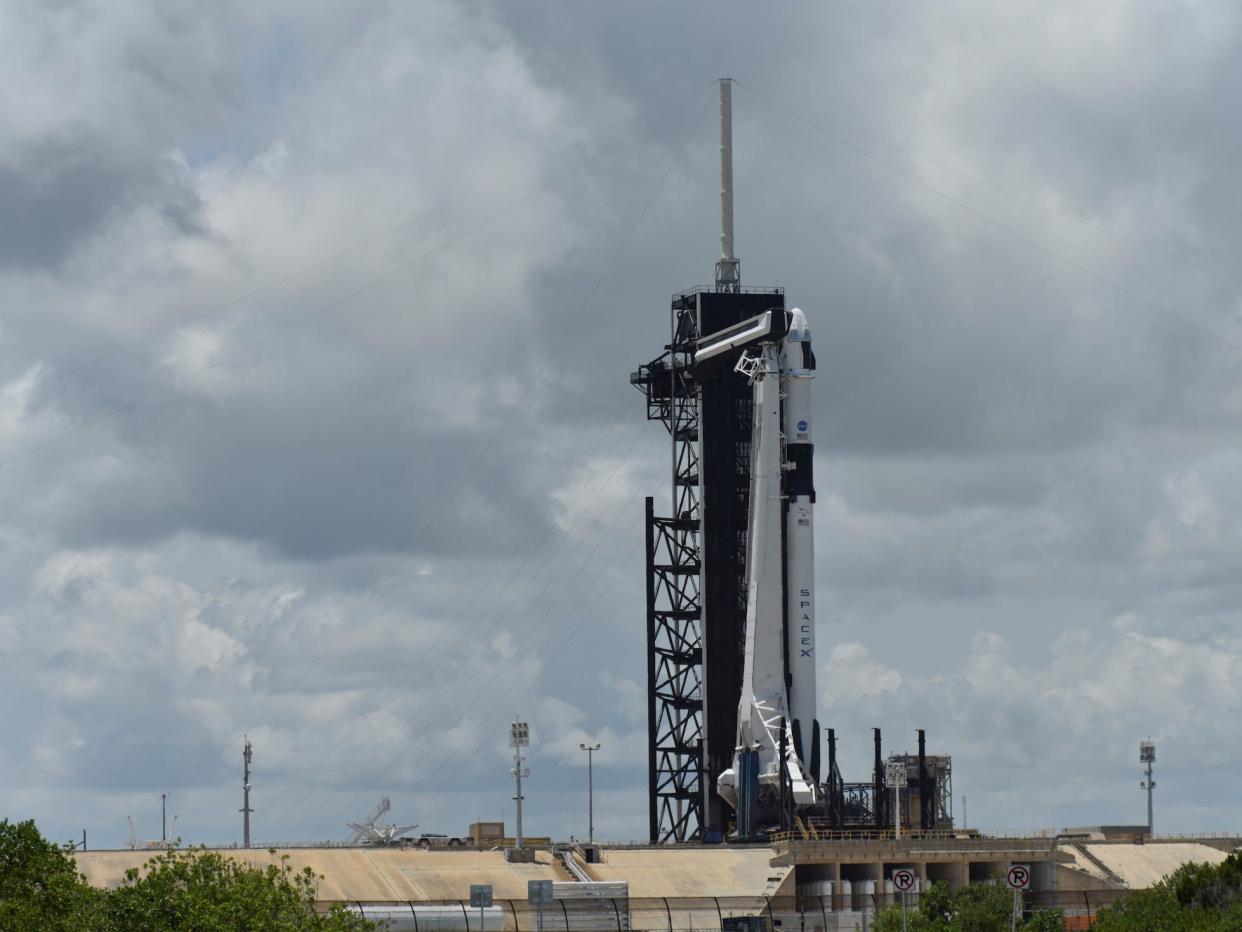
point(1026, 477)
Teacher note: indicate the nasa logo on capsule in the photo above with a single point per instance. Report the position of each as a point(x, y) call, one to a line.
point(802, 426)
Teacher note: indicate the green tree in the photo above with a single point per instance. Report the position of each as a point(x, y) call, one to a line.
point(976, 907)
point(206, 891)
point(40, 887)
point(1208, 886)
point(1194, 898)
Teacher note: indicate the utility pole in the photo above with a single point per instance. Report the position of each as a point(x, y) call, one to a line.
point(590, 749)
point(519, 737)
point(164, 817)
point(247, 754)
point(965, 820)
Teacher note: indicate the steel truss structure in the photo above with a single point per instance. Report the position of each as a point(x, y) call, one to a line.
point(674, 623)
point(696, 585)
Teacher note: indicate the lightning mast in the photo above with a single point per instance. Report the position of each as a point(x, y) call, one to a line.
point(728, 267)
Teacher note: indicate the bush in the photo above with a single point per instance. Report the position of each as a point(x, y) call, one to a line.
point(40, 887)
point(1194, 898)
point(977, 907)
point(200, 890)
point(206, 891)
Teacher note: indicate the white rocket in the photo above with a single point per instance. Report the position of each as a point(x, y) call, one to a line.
point(798, 368)
point(777, 705)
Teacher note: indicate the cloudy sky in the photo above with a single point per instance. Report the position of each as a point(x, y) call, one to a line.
point(315, 422)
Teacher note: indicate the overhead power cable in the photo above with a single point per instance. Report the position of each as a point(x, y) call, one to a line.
point(1021, 237)
point(1073, 214)
point(471, 691)
point(515, 702)
point(543, 654)
point(129, 406)
point(476, 631)
point(642, 213)
point(466, 475)
point(417, 217)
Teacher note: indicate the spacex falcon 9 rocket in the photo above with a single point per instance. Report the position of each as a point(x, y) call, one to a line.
point(732, 719)
point(776, 761)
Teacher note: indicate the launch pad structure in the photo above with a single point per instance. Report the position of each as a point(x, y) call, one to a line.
point(696, 566)
point(697, 585)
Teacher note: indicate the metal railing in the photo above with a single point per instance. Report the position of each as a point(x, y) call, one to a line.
point(853, 911)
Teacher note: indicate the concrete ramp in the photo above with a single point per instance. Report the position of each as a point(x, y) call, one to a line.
point(374, 875)
point(695, 872)
point(1141, 866)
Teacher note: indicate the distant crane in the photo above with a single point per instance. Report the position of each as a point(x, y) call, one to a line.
point(361, 830)
point(368, 832)
point(134, 843)
point(133, 835)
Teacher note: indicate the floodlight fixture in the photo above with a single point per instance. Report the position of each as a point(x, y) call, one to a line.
point(519, 735)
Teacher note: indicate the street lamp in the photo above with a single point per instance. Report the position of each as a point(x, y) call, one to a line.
point(590, 749)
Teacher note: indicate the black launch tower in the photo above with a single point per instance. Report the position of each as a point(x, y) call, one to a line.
point(696, 566)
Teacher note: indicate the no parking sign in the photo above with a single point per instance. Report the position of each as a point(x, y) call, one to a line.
point(903, 880)
point(1019, 877)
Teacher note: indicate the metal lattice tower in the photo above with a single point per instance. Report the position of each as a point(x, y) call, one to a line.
point(247, 756)
point(674, 631)
point(696, 557)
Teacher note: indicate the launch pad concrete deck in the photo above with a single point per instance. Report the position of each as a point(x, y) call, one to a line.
point(682, 874)
point(373, 874)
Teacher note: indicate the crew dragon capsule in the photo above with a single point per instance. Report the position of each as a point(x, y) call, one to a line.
point(778, 730)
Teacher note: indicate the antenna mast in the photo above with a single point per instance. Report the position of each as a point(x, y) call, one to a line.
point(728, 267)
point(247, 754)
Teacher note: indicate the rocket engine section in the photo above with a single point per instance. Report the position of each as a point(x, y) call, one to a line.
point(776, 761)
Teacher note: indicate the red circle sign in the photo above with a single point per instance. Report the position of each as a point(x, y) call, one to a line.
point(1019, 877)
point(903, 880)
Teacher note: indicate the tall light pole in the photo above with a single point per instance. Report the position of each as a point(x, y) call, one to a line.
point(519, 737)
point(1147, 755)
point(896, 778)
point(590, 749)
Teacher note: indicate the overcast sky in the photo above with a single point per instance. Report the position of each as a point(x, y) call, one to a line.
point(315, 425)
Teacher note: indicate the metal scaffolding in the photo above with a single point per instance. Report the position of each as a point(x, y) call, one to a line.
point(674, 628)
